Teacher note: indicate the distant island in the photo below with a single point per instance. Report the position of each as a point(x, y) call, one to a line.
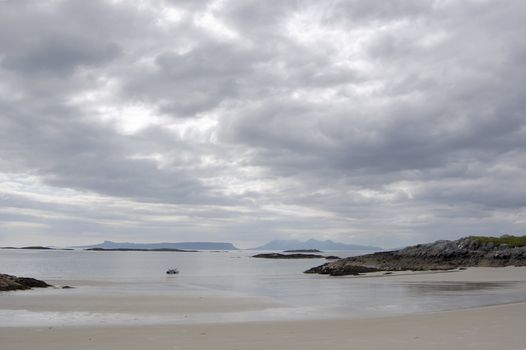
point(302, 251)
point(163, 246)
point(35, 248)
point(312, 244)
point(440, 255)
point(138, 250)
point(293, 256)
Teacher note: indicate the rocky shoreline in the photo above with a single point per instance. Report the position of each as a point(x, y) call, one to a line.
point(440, 255)
point(9, 282)
point(302, 251)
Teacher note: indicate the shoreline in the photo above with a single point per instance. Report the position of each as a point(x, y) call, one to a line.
point(92, 302)
point(488, 327)
point(207, 319)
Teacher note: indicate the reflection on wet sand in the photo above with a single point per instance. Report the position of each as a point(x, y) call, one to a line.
point(437, 287)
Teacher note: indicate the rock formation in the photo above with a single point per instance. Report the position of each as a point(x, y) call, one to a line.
point(294, 256)
point(288, 256)
point(440, 255)
point(302, 251)
point(8, 282)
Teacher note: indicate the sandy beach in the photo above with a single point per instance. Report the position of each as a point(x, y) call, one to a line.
point(489, 327)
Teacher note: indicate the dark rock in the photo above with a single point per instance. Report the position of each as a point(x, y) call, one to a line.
point(32, 282)
point(34, 248)
point(353, 270)
point(302, 251)
point(440, 255)
point(342, 270)
point(287, 256)
point(8, 282)
point(37, 248)
point(332, 257)
point(67, 287)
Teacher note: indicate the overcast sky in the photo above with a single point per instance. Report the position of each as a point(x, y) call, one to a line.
point(370, 122)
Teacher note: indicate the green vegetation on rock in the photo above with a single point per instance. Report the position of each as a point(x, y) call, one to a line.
point(511, 241)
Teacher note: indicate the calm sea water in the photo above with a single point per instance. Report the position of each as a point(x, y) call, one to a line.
point(238, 274)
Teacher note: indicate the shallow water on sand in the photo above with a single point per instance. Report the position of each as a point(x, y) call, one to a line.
point(231, 274)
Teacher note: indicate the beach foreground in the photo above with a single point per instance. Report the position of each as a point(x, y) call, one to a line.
point(490, 327)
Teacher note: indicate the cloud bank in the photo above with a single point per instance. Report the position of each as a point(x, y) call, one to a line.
point(383, 123)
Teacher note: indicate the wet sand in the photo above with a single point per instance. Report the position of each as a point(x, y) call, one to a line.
point(492, 327)
point(495, 327)
point(135, 303)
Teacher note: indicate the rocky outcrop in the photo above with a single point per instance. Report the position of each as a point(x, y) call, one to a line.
point(8, 282)
point(288, 256)
point(440, 255)
point(294, 256)
point(302, 251)
point(353, 270)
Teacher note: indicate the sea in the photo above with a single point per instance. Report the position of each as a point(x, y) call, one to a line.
point(235, 274)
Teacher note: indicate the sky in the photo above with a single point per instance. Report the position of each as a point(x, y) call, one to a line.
point(368, 122)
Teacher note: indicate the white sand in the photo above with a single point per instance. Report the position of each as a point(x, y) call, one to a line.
point(496, 327)
point(136, 303)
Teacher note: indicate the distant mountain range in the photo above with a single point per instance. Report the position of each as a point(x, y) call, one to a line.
point(163, 245)
point(312, 244)
point(273, 245)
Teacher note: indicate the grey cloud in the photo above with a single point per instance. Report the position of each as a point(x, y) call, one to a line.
point(382, 122)
point(391, 10)
point(413, 132)
point(185, 84)
point(58, 55)
point(259, 20)
point(68, 151)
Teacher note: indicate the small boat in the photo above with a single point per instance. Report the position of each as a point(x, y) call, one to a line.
point(172, 272)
